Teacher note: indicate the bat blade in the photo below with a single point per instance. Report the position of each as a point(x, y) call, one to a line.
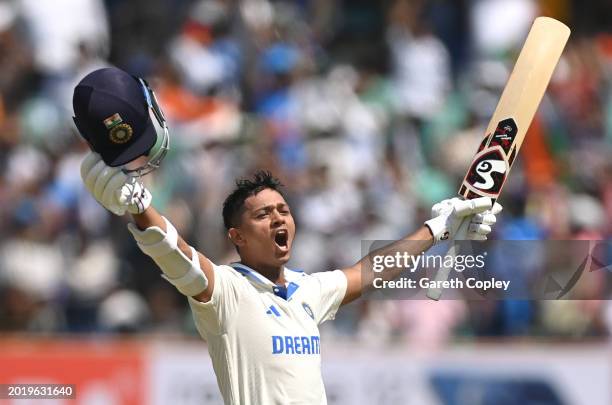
point(510, 121)
point(515, 110)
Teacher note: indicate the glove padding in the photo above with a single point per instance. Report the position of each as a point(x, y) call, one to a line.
point(112, 188)
point(448, 215)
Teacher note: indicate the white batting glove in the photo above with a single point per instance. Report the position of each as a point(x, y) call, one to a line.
point(112, 188)
point(447, 215)
point(481, 224)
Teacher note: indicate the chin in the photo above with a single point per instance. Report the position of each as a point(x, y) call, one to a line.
point(284, 258)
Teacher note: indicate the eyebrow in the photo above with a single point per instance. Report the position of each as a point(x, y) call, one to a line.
point(271, 206)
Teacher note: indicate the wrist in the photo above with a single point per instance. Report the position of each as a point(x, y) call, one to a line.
point(428, 228)
point(424, 234)
point(438, 228)
point(148, 218)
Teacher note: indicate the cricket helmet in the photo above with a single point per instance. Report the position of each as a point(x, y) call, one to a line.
point(119, 117)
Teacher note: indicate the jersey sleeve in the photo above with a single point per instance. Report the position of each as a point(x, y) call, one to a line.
point(331, 286)
point(214, 316)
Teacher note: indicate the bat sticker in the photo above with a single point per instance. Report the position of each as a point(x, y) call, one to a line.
point(504, 135)
point(485, 170)
point(492, 162)
point(488, 172)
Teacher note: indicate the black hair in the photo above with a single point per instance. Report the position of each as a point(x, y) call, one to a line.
point(245, 188)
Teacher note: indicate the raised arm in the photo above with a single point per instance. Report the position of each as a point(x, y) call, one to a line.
point(188, 270)
point(446, 217)
point(413, 244)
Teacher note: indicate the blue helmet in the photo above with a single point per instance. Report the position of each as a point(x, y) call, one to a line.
point(119, 117)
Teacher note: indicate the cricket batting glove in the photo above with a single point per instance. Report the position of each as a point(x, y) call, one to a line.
point(448, 215)
point(113, 189)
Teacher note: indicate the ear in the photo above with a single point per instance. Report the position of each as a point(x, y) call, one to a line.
point(236, 237)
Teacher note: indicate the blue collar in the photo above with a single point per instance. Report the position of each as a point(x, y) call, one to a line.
point(285, 292)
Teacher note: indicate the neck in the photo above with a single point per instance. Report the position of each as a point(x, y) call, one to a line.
point(273, 273)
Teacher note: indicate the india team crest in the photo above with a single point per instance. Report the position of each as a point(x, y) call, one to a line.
point(119, 132)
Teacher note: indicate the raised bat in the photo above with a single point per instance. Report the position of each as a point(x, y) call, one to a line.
point(510, 122)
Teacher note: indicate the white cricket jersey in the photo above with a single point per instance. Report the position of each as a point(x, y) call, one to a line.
point(264, 339)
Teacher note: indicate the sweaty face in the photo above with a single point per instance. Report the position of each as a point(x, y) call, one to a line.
point(266, 229)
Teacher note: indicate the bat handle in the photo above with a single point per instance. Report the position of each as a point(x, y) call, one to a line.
point(443, 272)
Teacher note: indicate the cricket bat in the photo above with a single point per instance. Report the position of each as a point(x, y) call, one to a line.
point(506, 131)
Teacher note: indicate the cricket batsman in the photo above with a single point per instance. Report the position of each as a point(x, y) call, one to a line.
point(260, 319)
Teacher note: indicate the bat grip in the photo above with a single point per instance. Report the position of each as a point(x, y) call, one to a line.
point(443, 272)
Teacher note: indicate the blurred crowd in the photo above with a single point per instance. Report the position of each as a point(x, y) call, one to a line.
point(368, 111)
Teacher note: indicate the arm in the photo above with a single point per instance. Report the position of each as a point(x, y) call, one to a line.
point(189, 271)
point(446, 217)
point(150, 218)
point(413, 244)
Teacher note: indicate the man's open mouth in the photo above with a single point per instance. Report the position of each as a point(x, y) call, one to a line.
point(281, 237)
